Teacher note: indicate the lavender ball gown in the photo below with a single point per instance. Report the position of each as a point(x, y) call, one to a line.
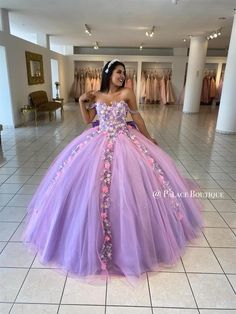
point(95, 211)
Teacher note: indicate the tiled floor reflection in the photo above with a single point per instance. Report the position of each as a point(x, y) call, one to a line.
point(204, 280)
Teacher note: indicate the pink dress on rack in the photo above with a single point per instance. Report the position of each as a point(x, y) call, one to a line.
point(75, 85)
point(87, 83)
point(205, 91)
point(156, 89)
point(129, 83)
point(163, 90)
point(143, 88)
point(147, 100)
point(212, 88)
point(169, 92)
point(82, 84)
point(134, 84)
point(151, 89)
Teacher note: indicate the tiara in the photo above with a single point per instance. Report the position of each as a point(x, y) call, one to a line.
point(110, 64)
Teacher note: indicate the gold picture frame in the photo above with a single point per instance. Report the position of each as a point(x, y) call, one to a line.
point(34, 65)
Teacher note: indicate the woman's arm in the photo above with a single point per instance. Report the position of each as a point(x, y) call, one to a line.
point(87, 114)
point(136, 116)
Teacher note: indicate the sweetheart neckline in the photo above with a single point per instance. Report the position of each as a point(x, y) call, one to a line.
point(113, 103)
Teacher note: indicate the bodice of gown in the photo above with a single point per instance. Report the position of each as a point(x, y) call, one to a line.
point(112, 117)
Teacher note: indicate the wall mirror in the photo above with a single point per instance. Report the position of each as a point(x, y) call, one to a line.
point(34, 64)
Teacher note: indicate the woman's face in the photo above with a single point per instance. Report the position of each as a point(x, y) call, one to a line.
point(118, 76)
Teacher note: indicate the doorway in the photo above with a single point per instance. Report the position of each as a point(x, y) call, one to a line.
point(55, 77)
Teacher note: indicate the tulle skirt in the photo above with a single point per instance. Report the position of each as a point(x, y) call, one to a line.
point(151, 213)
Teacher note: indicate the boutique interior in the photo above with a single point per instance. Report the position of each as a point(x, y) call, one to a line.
point(180, 63)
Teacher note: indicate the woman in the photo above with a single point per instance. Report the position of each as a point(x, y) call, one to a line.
point(110, 201)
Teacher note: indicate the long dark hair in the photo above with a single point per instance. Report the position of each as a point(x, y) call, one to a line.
point(107, 72)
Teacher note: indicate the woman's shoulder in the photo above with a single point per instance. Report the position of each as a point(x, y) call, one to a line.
point(127, 91)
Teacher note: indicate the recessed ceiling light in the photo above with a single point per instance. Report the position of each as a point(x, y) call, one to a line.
point(96, 45)
point(184, 39)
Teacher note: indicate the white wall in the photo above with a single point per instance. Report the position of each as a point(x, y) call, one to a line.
point(6, 116)
point(19, 88)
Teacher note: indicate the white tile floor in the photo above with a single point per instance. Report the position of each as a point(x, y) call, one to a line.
point(204, 280)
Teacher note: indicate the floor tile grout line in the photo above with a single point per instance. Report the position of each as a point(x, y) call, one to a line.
point(218, 259)
point(9, 240)
point(63, 289)
point(106, 296)
point(124, 306)
point(190, 286)
point(149, 291)
point(22, 283)
point(164, 272)
point(229, 227)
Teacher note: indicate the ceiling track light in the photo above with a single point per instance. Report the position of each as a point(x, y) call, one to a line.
point(215, 34)
point(96, 45)
point(87, 30)
point(151, 32)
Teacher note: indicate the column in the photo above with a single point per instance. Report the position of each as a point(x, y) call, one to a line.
point(178, 70)
point(196, 64)
point(4, 21)
point(226, 121)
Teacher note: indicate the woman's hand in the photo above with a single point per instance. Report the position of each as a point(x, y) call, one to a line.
point(85, 101)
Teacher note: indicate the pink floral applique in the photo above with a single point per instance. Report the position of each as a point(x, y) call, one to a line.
point(105, 189)
point(107, 165)
point(103, 266)
point(161, 176)
point(103, 215)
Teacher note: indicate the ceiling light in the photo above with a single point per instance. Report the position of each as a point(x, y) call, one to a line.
point(214, 34)
point(184, 39)
point(87, 30)
point(151, 32)
point(175, 1)
point(141, 47)
point(96, 45)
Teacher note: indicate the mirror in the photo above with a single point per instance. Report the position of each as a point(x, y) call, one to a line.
point(34, 64)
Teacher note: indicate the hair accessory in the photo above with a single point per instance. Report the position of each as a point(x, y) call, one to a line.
point(110, 64)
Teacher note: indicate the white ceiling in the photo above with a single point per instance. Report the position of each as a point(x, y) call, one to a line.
point(122, 22)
